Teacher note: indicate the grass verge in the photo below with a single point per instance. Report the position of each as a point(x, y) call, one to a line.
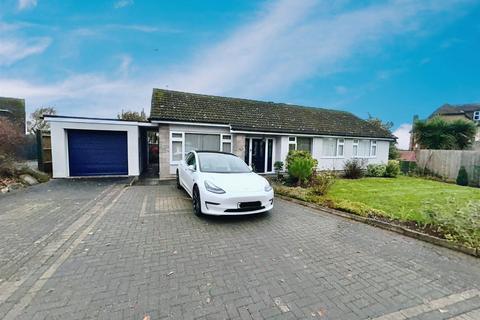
point(440, 209)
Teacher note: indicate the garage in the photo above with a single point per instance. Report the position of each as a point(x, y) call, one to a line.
point(97, 152)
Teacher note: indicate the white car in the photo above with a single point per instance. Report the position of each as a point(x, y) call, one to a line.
point(222, 184)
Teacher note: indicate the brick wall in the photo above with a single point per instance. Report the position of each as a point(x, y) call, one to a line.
point(239, 145)
point(164, 151)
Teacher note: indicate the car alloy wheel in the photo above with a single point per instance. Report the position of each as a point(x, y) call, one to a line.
point(197, 205)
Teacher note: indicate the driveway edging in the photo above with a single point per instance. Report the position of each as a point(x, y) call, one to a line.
point(388, 226)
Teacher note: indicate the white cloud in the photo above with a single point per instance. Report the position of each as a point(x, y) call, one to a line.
point(125, 64)
point(87, 94)
point(13, 50)
point(403, 135)
point(285, 42)
point(141, 28)
point(92, 94)
point(122, 4)
point(294, 40)
point(25, 4)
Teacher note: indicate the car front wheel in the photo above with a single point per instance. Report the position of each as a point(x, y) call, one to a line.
point(197, 204)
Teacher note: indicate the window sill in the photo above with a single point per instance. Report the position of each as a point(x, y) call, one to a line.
point(337, 157)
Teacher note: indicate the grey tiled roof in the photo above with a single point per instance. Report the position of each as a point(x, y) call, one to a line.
point(253, 115)
point(457, 109)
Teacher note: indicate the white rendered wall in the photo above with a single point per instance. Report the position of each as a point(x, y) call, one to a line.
point(333, 163)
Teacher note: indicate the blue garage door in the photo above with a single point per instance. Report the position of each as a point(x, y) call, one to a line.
point(97, 153)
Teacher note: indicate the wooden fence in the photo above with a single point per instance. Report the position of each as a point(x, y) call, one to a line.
point(44, 150)
point(446, 163)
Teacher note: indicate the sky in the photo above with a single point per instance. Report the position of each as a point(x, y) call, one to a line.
point(390, 59)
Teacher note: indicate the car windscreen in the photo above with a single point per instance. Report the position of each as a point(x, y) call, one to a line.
point(221, 163)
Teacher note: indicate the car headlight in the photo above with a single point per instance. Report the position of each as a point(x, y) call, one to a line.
point(213, 188)
point(268, 188)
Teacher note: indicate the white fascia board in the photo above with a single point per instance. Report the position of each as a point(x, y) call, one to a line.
point(306, 135)
point(204, 124)
point(99, 121)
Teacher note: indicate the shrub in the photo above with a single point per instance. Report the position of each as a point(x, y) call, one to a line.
point(7, 166)
point(408, 167)
point(278, 166)
point(11, 138)
point(301, 169)
point(376, 170)
point(353, 169)
point(393, 169)
point(292, 154)
point(462, 177)
point(300, 166)
point(322, 182)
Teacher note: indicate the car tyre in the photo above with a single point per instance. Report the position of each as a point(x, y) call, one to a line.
point(197, 203)
point(179, 186)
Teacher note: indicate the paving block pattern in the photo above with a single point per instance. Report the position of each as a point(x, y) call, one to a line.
point(146, 253)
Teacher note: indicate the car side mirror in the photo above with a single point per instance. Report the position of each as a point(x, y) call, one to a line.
point(191, 167)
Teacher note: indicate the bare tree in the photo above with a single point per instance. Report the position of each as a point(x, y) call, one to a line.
point(36, 121)
point(132, 115)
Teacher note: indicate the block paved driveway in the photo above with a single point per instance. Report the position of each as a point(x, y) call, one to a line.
point(100, 250)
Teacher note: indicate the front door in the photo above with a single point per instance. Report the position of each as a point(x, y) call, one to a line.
point(258, 155)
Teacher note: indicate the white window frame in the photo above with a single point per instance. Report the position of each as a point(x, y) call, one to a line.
point(338, 142)
point(292, 142)
point(177, 139)
point(226, 140)
point(373, 143)
point(355, 147)
point(476, 116)
point(223, 138)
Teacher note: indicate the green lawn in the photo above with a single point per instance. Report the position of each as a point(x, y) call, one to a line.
point(404, 198)
point(452, 211)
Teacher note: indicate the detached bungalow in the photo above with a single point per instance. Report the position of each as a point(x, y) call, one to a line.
point(259, 132)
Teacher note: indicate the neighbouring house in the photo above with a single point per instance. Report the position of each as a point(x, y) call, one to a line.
point(407, 155)
point(259, 132)
point(469, 112)
point(14, 110)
